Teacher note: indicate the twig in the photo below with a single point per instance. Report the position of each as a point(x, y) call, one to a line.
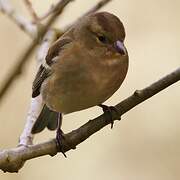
point(18, 68)
point(95, 8)
point(13, 159)
point(50, 11)
point(98, 6)
point(36, 105)
point(31, 11)
point(28, 27)
point(27, 137)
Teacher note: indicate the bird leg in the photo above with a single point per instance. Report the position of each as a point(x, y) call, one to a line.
point(108, 110)
point(60, 135)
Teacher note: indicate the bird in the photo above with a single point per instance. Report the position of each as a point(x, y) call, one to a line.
point(82, 69)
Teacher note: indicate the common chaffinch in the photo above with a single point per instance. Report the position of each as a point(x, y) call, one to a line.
point(83, 68)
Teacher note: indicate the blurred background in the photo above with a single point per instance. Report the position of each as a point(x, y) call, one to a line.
point(145, 144)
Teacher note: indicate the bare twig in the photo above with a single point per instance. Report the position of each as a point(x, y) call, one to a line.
point(36, 105)
point(50, 11)
point(13, 159)
point(21, 21)
point(95, 8)
point(27, 137)
point(31, 11)
point(98, 6)
point(18, 68)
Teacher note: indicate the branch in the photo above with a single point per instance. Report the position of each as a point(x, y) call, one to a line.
point(18, 68)
point(28, 27)
point(13, 159)
point(31, 11)
point(98, 6)
point(50, 11)
point(95, 8)
point(36, 105)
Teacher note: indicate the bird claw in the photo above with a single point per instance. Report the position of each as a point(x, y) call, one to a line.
point(108, 110)
point(59, 137)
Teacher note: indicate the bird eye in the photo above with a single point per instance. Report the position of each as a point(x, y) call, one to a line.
point(102, 39)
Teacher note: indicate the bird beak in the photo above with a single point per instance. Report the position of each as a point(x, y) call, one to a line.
point(120, 48)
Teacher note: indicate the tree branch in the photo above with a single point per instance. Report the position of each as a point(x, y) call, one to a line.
point(18, 68)
point(31, 11)
point(36, 105)
point(98, 6)
point(28, 27)
point(50, 11)
point(13, 159)
point(95, 8)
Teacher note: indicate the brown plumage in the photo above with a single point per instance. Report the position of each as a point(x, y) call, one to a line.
point(84, 67)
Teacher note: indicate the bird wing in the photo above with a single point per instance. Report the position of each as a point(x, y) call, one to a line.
point(45, 69)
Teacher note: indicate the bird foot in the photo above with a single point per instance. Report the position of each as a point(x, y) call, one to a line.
point(59, 138)
point(108, 110)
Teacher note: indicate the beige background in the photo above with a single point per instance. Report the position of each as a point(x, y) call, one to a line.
point(145, 145)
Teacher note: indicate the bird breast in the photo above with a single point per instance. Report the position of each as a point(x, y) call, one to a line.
point(80, 84)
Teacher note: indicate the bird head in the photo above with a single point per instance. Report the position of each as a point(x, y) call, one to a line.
point(102, 31)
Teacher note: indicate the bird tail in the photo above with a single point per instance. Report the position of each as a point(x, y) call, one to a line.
point(47, 118)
